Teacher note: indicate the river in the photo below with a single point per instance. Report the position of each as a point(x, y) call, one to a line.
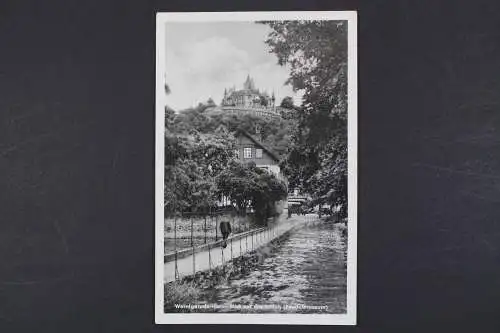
point(304, 273)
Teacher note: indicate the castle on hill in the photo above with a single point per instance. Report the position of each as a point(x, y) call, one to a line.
point(249, 100)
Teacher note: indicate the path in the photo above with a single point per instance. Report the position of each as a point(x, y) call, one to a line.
point(237, 245)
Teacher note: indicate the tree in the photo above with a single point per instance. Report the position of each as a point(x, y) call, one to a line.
point(200, 166)
point(287, 103)
point(275, 134)
point(263, 101)
point(249, 186)
point(269, 190)
point(316, 52)
point(192, 162)
point(193, 159)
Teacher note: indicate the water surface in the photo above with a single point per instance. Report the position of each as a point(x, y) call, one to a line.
point(307, 268)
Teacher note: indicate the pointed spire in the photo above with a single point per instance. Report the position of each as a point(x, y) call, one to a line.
point(246, 84)
point(249, 83)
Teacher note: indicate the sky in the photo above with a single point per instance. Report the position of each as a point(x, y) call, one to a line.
point(203, 58)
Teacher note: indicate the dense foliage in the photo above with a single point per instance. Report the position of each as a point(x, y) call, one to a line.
point(249, 186)
point(273, 133)
point(316, 52)
point(312, 136)
point(192, 161)
point(200, 166)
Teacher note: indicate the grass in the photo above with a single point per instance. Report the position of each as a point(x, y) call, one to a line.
point(180, 292)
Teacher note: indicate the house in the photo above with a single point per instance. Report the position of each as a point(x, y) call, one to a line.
point(249, 149)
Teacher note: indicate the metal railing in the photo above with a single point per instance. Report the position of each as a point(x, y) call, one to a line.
point(192, 229)
point(237, 245)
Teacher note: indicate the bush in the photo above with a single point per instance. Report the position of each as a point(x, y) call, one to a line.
point(180, 292)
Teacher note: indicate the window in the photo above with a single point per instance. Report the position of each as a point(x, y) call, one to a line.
point(247, 153)
point(258, 153)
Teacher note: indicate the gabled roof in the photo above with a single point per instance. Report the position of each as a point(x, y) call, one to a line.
point(256, 142)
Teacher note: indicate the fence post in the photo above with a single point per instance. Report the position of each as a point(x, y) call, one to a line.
point(205, 227)
point(191, 230)
point(216, 227)
point(240, 246)
point(176, 269)
point(222, 253)
point(209, 259)
point(210, 226)
point(194, 266)
point(175, 232)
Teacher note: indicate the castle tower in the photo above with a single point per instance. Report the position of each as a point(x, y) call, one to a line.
point(250, 100)
point(249, 84)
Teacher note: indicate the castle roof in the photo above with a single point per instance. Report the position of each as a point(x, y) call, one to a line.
point(248, 87)
point(249, 84)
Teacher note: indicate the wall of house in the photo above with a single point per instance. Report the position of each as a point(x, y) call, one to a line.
point(275, 169)
point(266, 160)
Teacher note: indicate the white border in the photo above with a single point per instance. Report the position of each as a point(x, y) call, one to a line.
point(225, 318)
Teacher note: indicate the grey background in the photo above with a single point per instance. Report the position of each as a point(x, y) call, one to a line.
point(77, 164)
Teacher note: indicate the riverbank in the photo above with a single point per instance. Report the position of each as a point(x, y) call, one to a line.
point(306, 268)
point(206, 257)
point(188, 289)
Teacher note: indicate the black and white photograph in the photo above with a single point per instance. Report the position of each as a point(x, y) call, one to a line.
point(215, 165)
point(256, 168)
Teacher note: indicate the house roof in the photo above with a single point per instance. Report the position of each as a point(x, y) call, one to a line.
point(256, 142)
